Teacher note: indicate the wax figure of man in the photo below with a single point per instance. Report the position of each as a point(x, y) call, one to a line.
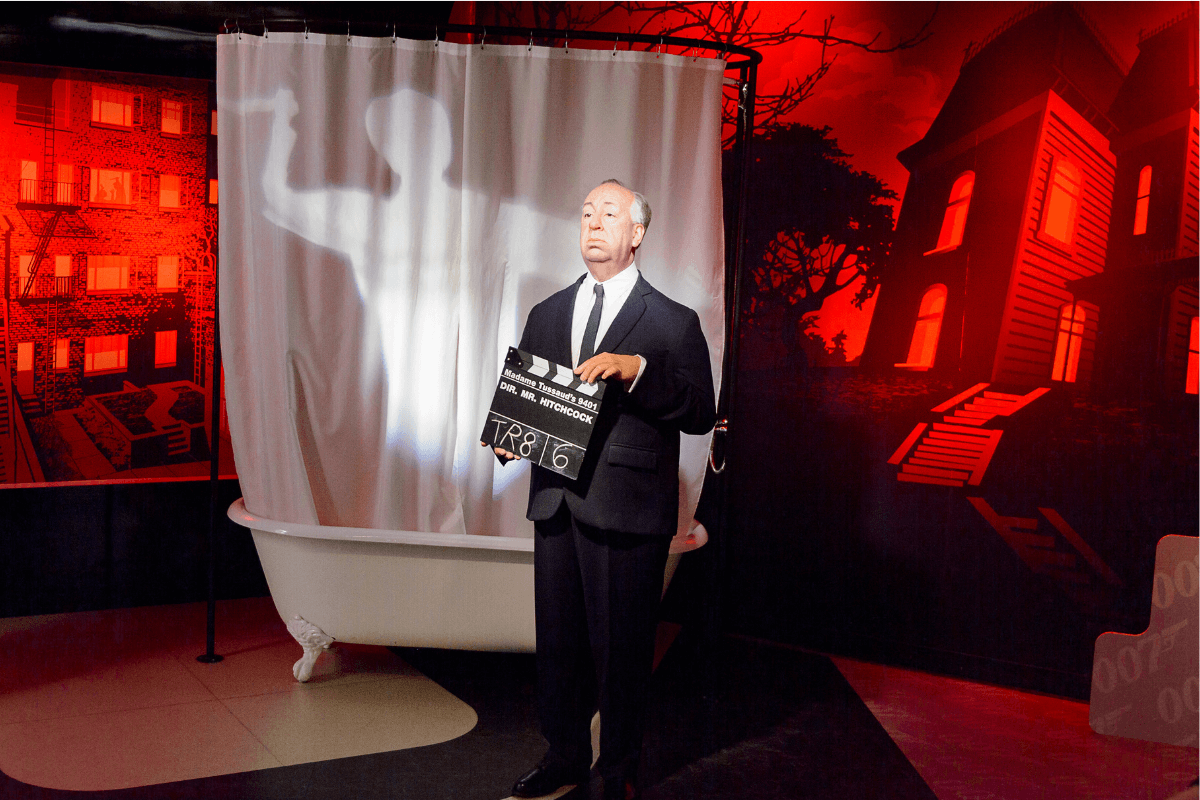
point(601, 540)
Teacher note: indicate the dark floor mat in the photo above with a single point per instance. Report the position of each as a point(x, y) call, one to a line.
point(731, 720)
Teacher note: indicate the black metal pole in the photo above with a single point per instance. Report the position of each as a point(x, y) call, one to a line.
point(210, 656)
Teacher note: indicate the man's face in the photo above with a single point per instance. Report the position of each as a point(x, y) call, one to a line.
point(607, 233)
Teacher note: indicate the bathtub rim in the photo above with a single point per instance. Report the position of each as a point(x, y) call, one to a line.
point(239, 514)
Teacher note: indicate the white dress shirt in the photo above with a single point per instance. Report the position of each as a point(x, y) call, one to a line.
point(616, 292)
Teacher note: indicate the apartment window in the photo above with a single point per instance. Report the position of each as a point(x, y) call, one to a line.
point(105, 354)
point(1071, 319)
point(114, 108)
point(1142, 210)
point(1193, 363)
point(25, 357)
point(168, 274)
point(923, 347)
point(164, 349)
point(24, 268)
point(212, 192)
point(62, 275)
point(169, 194)
point(111, 187)
point(29, 181)
point(24, 368)
point(955, 219)
point(214, 123)
point(62, 354)
point(64, 184)
point(108, 274)
point(1061, 210)
point(175, 118)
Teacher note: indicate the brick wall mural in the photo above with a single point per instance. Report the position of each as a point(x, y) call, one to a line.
point(108, 220)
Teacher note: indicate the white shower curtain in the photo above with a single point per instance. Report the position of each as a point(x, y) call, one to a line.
point(390, 211)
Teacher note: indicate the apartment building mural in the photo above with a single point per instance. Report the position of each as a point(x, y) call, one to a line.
point(108, 202)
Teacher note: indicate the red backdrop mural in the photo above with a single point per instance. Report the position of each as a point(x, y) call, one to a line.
point(109, 202)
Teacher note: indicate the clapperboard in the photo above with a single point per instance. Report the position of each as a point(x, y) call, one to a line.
point(543, 412)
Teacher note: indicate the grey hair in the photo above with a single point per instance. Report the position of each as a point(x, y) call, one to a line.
point(639, 210)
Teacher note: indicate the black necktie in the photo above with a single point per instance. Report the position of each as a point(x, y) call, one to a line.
point(588, 348)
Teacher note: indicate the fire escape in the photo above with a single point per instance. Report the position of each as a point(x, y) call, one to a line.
point(51, 209)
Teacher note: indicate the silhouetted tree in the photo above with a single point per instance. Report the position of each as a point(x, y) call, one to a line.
point(814, 225)
point(731, 23)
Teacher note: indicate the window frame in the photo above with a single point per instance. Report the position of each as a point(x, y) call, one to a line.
point(924, 322)
point(1141, 207)
point(1069, 330)
point(125, 266)
point(957, 211)
point(1052, 187)
point(135, 108)
point(89, 354)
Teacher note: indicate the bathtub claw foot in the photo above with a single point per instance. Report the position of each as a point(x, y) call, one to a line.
point(313, 640)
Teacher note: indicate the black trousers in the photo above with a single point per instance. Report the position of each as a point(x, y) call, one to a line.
point(596, 597)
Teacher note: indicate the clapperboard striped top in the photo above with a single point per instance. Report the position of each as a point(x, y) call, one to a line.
point(557, 373)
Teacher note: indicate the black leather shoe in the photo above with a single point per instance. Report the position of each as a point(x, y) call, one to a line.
point(547, 778)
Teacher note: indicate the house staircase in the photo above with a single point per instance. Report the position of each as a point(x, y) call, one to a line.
point(958, 450)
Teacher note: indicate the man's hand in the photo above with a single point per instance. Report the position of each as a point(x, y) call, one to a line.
point(609, 365)
point(500, 451)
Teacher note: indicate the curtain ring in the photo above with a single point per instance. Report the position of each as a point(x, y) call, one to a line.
point(483, 41)
point(264, 28)
point(393, 32)
point(531, 41)
point(436, 40)
point(347, 31)
point(616, 41)
point(658, 52)
point(306, 30)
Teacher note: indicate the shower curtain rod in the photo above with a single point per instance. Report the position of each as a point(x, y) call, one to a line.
point(431, 31)
point(746, 85)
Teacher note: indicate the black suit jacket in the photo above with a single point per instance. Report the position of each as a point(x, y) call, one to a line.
point(630, 479)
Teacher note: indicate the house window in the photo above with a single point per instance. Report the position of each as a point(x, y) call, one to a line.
point(168, 274)
point(111, 187)
point(1062, 201)
point(105, 353)
point(164, 349)
point(175, 118)
point(62, 354)
point(29, 181)
point(64, 184)
point(114, 108)
point(212, 192)
point(929, 326)
point(1193, 364)
point(24, 269)
point(169, 195)
point(214, 123)
point(1071, 319)
point(955, 219)
point(108, 274)
point(1142, 211)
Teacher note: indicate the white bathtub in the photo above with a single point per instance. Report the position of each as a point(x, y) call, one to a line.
point(403, 588)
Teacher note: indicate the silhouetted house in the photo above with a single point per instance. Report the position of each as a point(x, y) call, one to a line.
point(1148, 289)
point(109, 260)
point(1009, 208)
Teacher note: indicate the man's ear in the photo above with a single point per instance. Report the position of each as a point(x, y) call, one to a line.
point(638, 232)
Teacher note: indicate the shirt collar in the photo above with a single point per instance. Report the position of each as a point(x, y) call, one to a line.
point(622, 281)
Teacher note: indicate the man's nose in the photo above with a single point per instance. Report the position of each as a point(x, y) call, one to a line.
point(594, 222)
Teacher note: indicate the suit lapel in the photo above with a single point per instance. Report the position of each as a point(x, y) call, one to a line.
point(566, 312)
point(627, 317)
